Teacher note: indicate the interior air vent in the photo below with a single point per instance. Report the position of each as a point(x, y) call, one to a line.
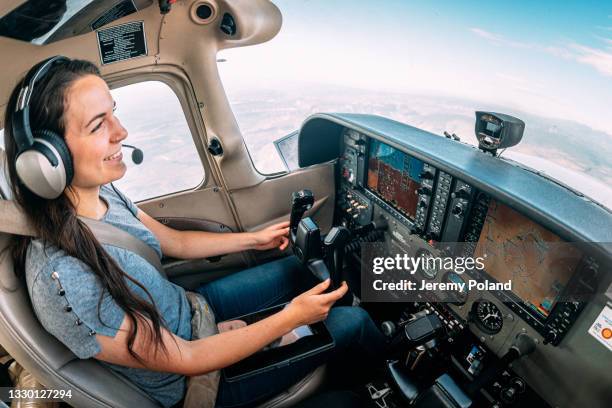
point(203, 12)
point(228, 24)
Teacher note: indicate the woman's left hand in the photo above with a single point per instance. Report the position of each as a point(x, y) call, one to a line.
point(274, 236)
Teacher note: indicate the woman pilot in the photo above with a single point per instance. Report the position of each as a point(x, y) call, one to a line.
point(108, 303)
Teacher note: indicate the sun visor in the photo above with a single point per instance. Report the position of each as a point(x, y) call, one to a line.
point(256, 21)
point(319, 140)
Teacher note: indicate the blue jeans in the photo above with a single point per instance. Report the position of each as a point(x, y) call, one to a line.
point(271, 284)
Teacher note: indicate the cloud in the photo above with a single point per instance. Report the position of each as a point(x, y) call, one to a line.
point(607, 41)
point(520, 83)
point(499, 39)
point(598, 58)
point(560, 52)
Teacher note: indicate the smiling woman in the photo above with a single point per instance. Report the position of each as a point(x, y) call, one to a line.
point(67, 104)
point(63, 112)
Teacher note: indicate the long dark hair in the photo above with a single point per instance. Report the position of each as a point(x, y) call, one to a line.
point(55, 221)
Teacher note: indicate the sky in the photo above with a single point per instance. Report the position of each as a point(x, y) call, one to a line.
point(548, 58)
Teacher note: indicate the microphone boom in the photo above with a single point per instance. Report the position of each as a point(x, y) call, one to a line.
point(137, 154)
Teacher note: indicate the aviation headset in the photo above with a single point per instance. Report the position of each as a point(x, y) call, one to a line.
point(43, 161)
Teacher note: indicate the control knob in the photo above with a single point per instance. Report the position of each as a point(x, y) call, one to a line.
point(518, 384)
point(415, 230)
point(550, 337)
point(462, 193)
point(457, 210)
point(508, 394)
point(424, 190)
point(426, 175)
point(431, 236)
point(388, 328)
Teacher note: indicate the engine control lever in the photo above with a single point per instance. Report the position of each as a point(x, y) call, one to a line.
point(417, 332)
point(301, 201)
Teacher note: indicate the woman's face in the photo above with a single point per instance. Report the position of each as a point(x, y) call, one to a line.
point(93, 133)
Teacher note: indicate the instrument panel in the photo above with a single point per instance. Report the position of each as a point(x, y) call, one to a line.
point(570, 367)
point(430, 212)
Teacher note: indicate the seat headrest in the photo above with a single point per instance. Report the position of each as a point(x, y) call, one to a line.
point(5, 187)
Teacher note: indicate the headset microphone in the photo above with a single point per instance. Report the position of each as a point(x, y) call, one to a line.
point(137, 154)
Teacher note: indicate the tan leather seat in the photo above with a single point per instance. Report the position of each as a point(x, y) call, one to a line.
point(91, 384)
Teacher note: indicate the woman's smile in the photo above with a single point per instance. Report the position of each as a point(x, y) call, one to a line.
point(114, 158)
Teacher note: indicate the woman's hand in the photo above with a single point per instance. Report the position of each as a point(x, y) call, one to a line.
point(274, 236)
point(313, 305)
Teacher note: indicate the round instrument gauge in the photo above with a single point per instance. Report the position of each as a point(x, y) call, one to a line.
point(427, 268)
point(456, 297)
point(487, 316)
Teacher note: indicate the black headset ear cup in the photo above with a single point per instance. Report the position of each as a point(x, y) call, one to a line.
point(60, 145)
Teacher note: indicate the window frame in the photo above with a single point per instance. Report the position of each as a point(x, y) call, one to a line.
point(179, 85)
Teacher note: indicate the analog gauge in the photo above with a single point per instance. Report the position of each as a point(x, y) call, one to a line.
point(428, 267)
point(487, 316)
point(456, 296)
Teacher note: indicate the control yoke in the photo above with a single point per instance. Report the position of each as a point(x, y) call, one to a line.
point(323, 259)
point(301, 201)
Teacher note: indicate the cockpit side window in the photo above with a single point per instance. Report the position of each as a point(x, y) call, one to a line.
point(154, 119)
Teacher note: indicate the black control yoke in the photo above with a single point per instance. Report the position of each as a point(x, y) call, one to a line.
point(334, 244)
point(323, 259)
point(301, 201)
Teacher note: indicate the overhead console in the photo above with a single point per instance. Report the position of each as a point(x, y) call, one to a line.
point(427, 191)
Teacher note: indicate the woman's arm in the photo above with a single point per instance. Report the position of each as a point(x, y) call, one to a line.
point(201, 244)
point(221, 350)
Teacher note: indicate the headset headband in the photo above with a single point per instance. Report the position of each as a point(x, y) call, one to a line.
point(22, 132)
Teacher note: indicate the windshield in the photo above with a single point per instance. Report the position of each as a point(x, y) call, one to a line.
point(46, 21)
point(432, 65)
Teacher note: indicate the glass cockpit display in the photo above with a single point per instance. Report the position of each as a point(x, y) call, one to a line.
point(538, 262)
point(394, 176)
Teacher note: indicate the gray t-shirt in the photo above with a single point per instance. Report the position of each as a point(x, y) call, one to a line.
point(65, 294)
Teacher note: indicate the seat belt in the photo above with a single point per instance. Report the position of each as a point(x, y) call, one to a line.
point(14, 221)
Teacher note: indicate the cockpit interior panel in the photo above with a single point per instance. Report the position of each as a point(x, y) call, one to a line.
point(427, 191)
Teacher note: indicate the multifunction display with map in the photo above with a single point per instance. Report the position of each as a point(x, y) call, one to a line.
point(538, 262)
point(394, 176)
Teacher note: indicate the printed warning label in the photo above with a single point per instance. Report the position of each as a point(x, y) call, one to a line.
point(602, 327)
point(122, 42)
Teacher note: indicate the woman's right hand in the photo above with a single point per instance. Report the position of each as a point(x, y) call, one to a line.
point(313, 305)
point(224, 349)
